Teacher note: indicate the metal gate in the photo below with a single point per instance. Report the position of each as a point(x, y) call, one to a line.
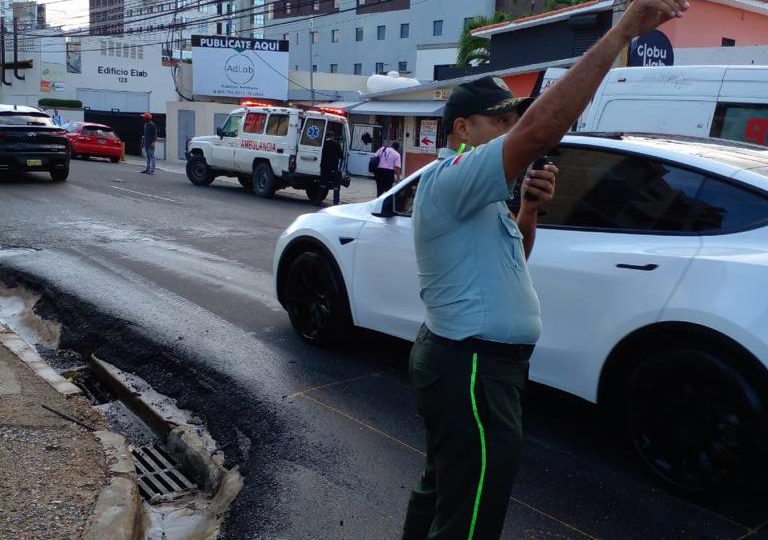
point(186, 131)
point(128, 126)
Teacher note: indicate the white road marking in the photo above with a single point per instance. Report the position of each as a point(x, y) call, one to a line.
point(145, 194)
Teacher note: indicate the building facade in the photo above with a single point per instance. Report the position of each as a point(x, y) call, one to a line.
point(362, 37)
point(106, 17)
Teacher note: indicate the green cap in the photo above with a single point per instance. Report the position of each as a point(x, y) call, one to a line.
point(486, 96)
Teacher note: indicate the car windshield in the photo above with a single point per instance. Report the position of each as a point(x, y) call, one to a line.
point(104, 132)
point(10, 118)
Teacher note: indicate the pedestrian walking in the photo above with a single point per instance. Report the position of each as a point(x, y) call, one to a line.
point(150, 137)
point(329, 165)
point(469, 363)
point(388, 169)
point(57, 119)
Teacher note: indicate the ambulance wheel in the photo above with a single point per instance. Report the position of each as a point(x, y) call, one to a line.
point(317, 194)
point(198, 172)
point(263, 181)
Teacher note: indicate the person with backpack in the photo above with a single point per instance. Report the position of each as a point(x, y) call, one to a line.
point(387, 170)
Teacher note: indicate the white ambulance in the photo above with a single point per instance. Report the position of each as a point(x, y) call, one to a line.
point(269, 148)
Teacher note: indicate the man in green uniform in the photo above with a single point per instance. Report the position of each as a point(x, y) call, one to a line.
point(469, 363)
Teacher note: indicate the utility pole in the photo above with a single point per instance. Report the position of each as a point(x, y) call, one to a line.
point(311, 69)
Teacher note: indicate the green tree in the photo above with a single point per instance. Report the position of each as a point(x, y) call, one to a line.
point(477, 49)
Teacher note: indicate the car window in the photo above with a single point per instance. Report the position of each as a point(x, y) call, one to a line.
point(746, 122)
point(231, 127)
point(619, 192)
point(404, 198)
point(99, 132)
point(278, 125)
point(313, 134)
point(11, 118)
point(254, 123)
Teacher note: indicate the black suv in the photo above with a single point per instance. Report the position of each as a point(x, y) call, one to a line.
point(30, 141)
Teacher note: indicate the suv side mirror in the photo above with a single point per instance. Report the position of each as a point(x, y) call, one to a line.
point(220, 132)
point(385, 208)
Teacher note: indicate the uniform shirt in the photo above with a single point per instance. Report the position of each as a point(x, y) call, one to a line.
point(389, 158)
point(472, 270)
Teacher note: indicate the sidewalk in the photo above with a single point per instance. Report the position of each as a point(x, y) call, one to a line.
point(361, 188)
point(53, 470)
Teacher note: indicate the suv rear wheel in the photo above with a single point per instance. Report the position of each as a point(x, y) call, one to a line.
point(263, 181)
point(696, 421)
point(317, 193)
point(316, 300)
point(60, 175)
point(198, 171)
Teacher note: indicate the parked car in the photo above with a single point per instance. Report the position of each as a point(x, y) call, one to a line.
point(30, 141)
point(269, 148)
point(88, 139)
point(728, 102)
point(651, 265)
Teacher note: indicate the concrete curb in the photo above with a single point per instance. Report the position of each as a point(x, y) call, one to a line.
point(118, 513)
point(29, 356)
point(193, 447)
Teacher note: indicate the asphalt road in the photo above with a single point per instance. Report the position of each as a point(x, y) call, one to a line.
point(328, 440)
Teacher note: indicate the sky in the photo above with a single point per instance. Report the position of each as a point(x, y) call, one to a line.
point(68, 13)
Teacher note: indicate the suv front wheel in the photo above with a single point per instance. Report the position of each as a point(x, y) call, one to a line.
point(198, 171)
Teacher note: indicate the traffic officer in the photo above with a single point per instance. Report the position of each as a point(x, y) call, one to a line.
point(469, 363)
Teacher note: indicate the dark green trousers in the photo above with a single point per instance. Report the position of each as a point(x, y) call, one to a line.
point(469, 394)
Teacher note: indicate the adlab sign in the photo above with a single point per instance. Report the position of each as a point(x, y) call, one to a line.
point(651, 49)
point(239, 67)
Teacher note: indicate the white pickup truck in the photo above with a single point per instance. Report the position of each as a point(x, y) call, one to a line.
point(269, 148)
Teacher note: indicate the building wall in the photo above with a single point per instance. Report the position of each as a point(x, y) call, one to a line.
point(204, 121)
point(715, 56)
point(105, 17)
point(428, 58)
point(390, 51)
point(705, 25)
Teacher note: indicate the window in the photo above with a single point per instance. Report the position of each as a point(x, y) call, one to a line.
point(278, 125)
point(728, 42)
point(358, 34)
point(617, 192)
point(285, 37)
point(334, 68)
point(379, 67)
point(316, 5)
point(405, 31)
point(126, 51)
point(111, 49)
point(270, 11)
point(437, 28)
point(287, 8)
point(315, 37)
point(402, 67)
point(746, 122)
point(314, 132)
point(336, 4)
point(103, 46)
point(254, 123)
point(468, 21)
point(231, 127)
point(358, 69)
point(297, 38)
point(381, 32)
point(314, 68)
point(133, 51)
point(140, 52)
point(404, 198)
point(334, 36)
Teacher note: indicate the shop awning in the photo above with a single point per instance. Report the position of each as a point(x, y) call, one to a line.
point(400, 108)
point(343, 105)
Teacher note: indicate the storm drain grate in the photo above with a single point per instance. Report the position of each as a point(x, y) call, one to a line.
point(160, 480)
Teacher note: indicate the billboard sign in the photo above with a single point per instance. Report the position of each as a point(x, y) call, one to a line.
point(239, 67)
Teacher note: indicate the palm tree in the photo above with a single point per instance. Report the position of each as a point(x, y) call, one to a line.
point(475, 50)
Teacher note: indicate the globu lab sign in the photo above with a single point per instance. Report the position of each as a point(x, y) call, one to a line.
point(651, 49)
point(240, 67)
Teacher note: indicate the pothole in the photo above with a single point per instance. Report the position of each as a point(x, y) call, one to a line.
point(173, 453)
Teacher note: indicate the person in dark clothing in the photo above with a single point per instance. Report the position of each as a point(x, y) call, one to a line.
point(150, 136)
point(329, 165)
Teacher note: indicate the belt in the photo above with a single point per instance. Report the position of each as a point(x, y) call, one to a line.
point(514, 351)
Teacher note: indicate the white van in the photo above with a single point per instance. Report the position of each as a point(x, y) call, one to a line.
point(729, 102)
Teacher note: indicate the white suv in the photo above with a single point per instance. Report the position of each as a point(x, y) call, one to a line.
point(269, 148)
point(651, 264)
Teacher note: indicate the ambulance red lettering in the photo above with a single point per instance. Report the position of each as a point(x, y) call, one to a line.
point(258, 145)
point(757, 131)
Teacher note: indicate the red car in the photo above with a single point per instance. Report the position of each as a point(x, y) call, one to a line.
point(87, 139)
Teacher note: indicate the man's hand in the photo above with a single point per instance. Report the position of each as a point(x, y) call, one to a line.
point(540, 184)
point(642, 16)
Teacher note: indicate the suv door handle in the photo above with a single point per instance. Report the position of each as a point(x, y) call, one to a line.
point(309, 158)
point(642, 267)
